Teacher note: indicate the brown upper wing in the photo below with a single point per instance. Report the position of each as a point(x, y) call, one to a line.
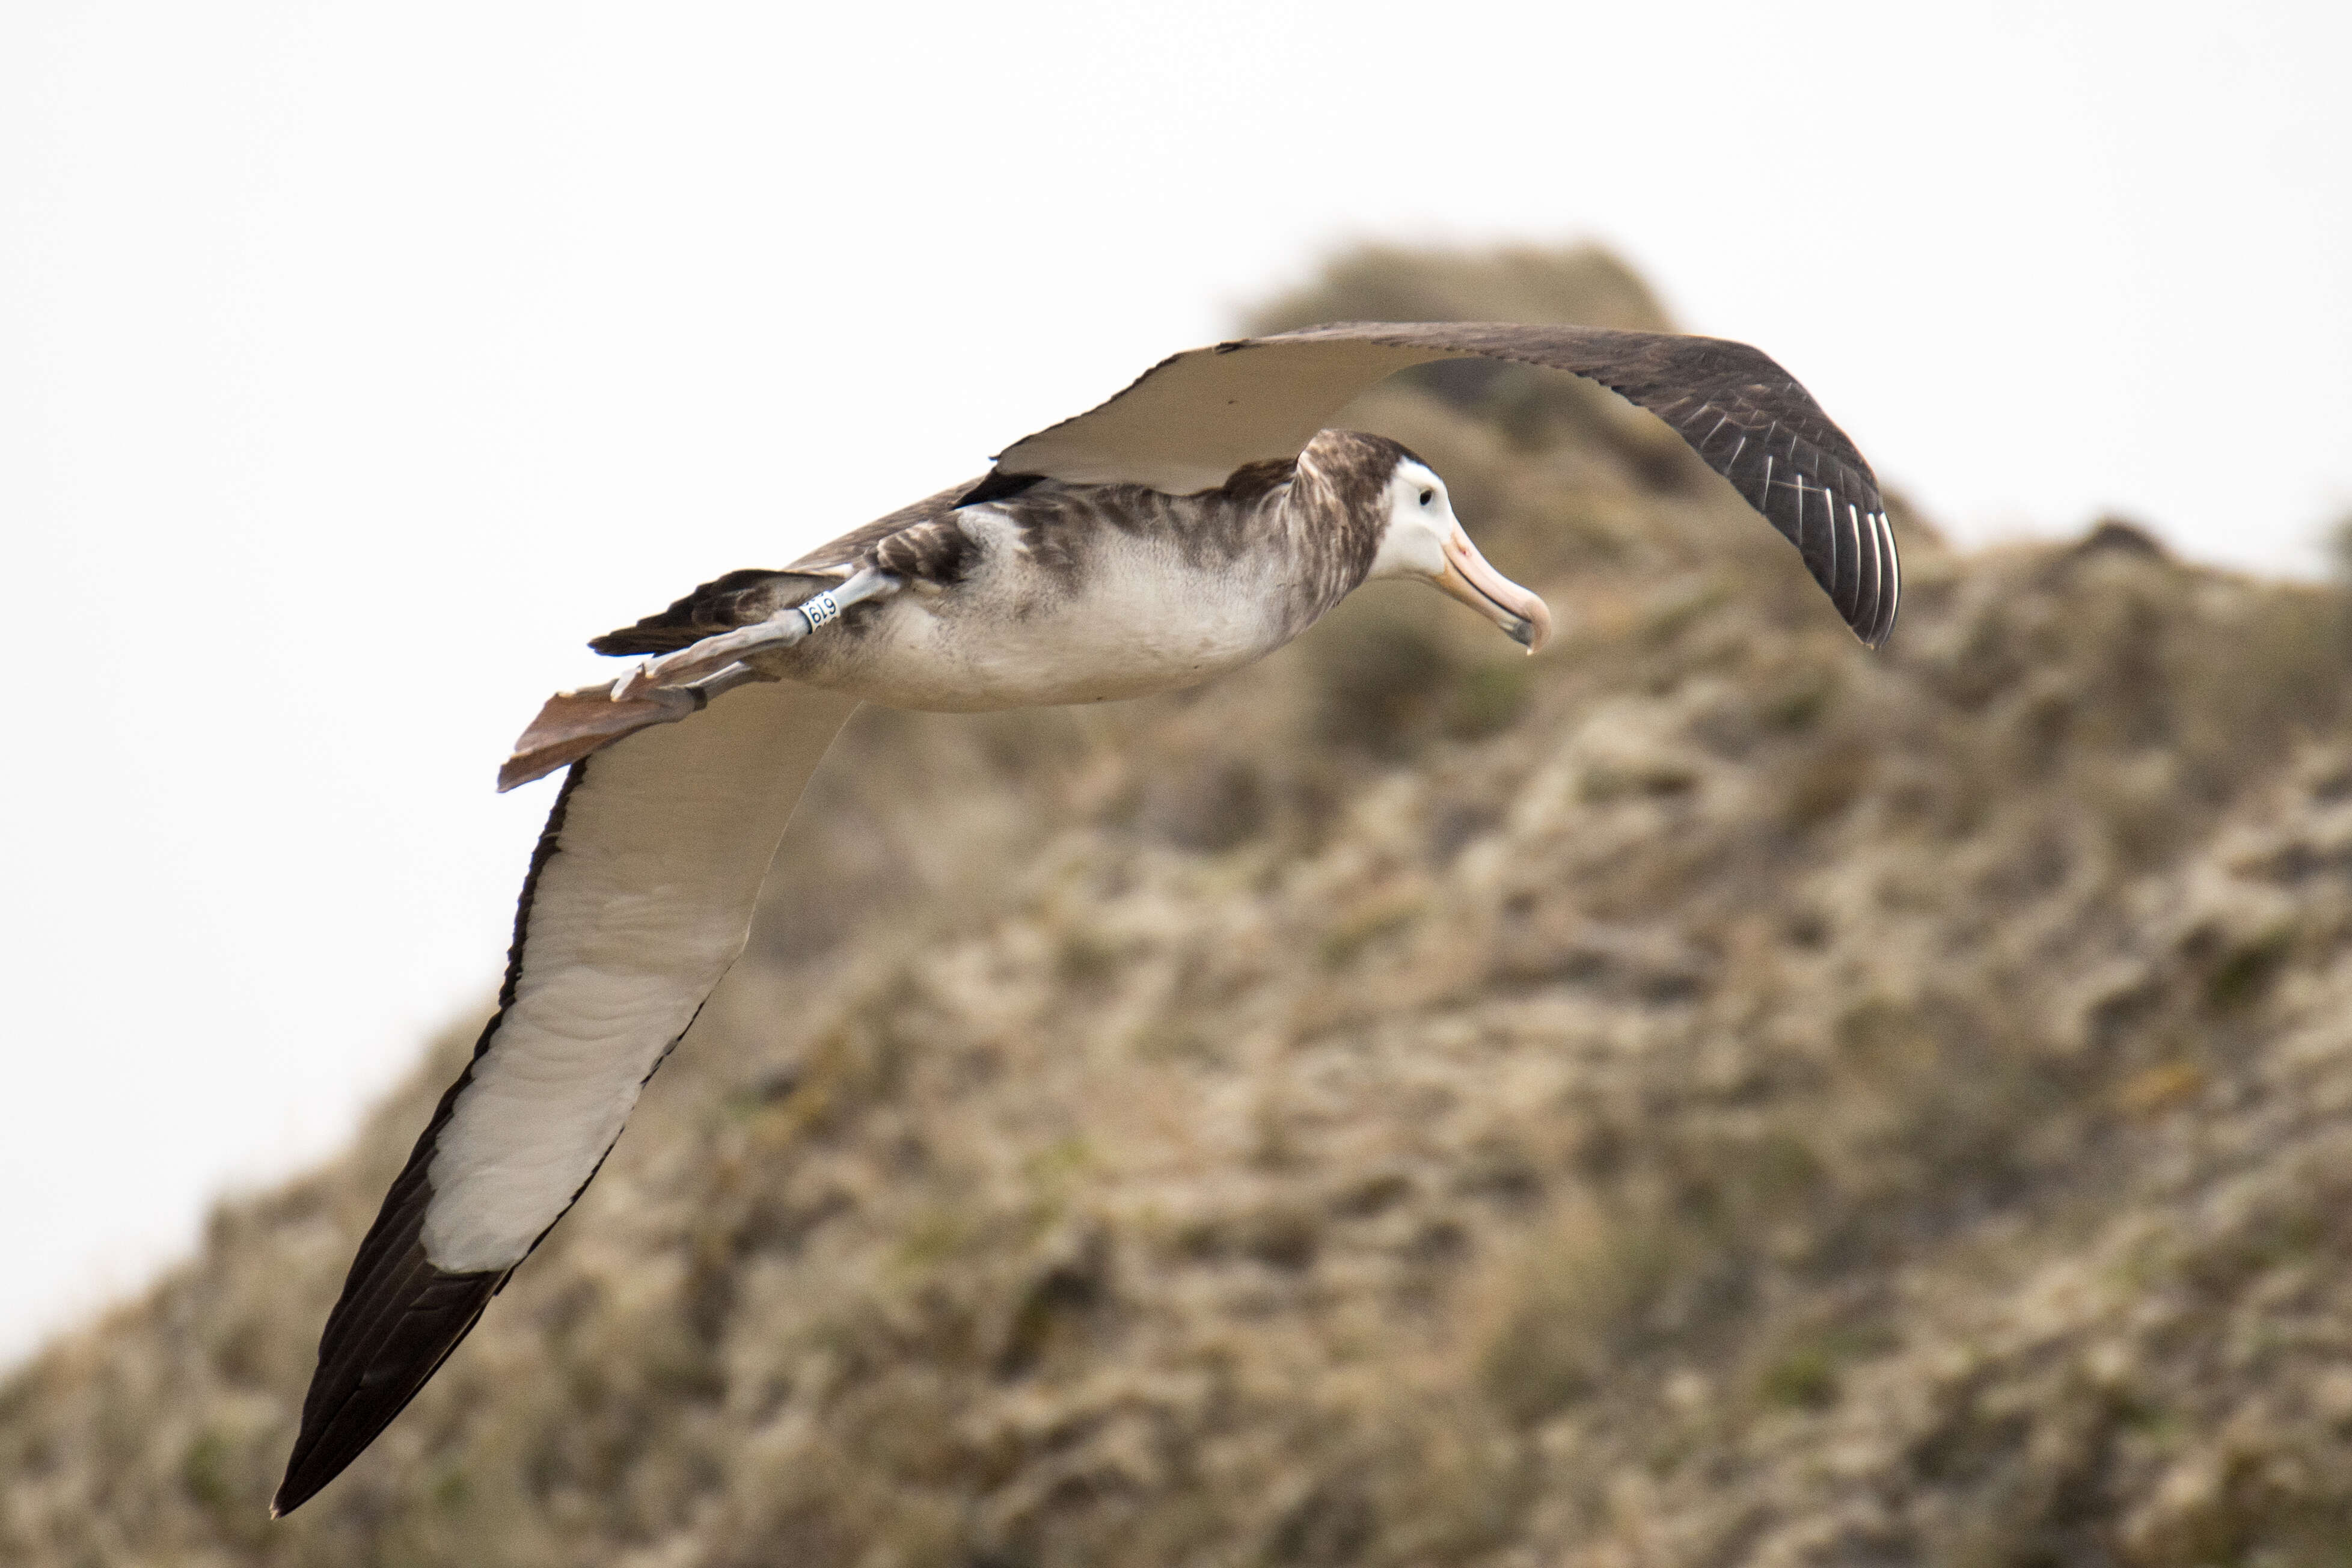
point(1193, 419)
point(915, 542)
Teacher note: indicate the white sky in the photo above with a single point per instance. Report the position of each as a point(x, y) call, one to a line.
point(357, 362)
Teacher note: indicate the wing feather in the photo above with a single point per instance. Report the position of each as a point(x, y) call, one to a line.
point(1193, 419)
point(745, 597)
point(639, 895)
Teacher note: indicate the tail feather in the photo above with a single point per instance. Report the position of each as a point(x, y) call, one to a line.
point(572, 724)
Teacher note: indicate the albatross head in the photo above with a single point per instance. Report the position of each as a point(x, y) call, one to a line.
point(1420, 538)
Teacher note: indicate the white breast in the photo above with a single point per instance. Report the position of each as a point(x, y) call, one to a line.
point(1132, 618)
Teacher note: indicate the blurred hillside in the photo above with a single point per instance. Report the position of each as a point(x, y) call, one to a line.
point(1707, 1095)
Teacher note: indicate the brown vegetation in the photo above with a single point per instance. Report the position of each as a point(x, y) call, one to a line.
point(1707, 1095)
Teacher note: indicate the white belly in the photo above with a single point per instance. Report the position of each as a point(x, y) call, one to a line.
point(1134, 617)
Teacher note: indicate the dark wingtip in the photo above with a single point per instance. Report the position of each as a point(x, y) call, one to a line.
point(295, 1488)
point(293, 1491)
point(404, 1321)
point(1890, 582)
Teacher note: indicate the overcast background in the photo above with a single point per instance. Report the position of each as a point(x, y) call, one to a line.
point(357, 362)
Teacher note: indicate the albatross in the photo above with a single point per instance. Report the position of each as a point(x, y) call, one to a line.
point(1196, 522)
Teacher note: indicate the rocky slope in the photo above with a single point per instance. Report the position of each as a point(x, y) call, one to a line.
point(1707, 1095)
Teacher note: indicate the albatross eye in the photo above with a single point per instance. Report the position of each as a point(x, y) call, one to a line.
point(1428, 496)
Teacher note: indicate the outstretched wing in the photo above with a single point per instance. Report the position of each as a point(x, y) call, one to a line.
point(638, 897)
point(1193, 419)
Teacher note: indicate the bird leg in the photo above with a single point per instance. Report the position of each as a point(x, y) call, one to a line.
point(572, 724)
point(781, 630)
